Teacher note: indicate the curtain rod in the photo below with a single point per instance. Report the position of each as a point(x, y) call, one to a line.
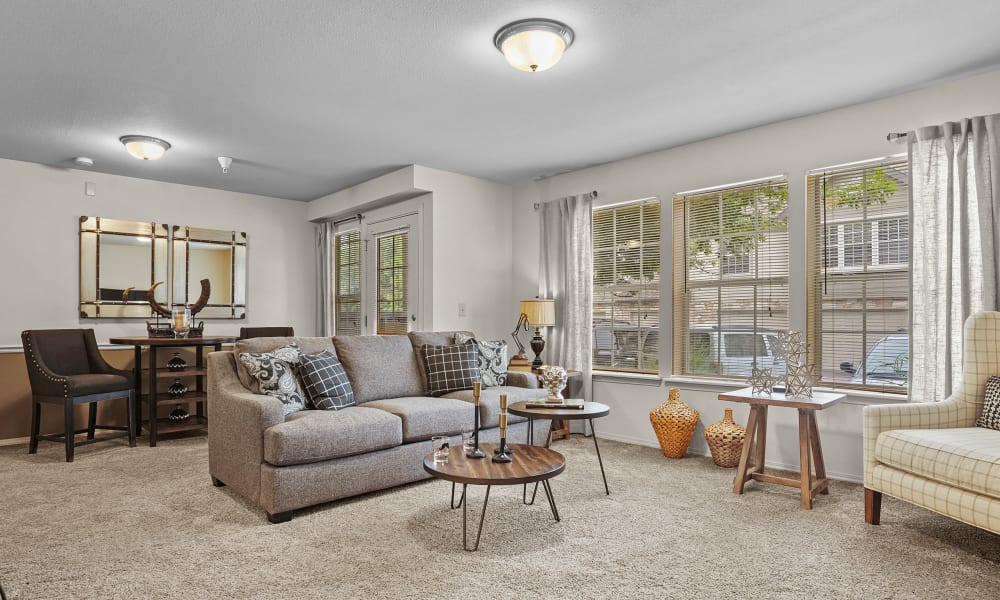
point(539, 204)
point(895, 137)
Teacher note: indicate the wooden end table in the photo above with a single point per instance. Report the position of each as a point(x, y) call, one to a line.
point(589, 412)
point(532, 464)
point(809, 444)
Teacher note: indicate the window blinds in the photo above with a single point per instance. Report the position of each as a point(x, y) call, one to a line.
point(730, 252)
point(858, 303)
point(392, 274)
point(347, 296)
point(626, 302)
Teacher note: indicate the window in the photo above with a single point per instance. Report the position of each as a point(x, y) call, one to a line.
point(626, 307)
point(392, 314)
point(730, 278)
point(347, 295)
point(858, 299)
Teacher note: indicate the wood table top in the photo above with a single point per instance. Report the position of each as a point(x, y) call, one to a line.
point(590, 410)
point(530, 464)
point(143, 340)
point(818, 400)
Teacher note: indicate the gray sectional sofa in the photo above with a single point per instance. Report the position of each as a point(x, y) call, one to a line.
point(282, 463)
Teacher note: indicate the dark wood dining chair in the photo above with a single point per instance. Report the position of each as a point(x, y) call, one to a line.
point(255, 332)
point(65, 367)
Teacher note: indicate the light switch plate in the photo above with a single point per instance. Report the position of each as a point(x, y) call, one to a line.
point(90, 188)
point(461, 309)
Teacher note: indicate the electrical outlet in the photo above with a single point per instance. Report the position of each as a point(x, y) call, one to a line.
point(461, 309)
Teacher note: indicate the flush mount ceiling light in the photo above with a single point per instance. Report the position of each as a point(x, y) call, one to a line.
point(533, 44)
point(144, 147)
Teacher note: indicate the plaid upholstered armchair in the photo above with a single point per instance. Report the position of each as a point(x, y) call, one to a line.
point(932, 454)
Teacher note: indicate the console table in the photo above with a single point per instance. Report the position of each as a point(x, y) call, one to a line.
point(153, 374)
point(809, 446)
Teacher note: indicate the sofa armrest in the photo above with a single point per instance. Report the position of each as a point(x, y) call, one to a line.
point(236, 425)
point(522, 379)
point(953, 412)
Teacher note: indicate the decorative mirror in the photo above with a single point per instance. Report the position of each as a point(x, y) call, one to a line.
point(218, 256)
point(119, 261)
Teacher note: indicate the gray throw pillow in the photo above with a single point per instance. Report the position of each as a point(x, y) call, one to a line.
point(275, 373)
point(492, 359)
point(451, 368)
point(990, 418)
point(325, 382)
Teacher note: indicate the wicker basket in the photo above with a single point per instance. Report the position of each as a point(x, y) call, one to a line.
point(674, 423)
point(725, 440)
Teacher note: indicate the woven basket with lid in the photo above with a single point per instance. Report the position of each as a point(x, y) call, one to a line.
point(674, 423)
point(725, 440)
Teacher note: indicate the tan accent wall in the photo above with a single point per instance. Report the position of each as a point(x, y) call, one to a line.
point(15, 397)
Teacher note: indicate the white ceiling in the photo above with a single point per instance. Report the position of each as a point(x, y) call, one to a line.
point(311, 96)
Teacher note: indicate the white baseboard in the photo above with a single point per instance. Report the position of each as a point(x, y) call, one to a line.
point(849, 477)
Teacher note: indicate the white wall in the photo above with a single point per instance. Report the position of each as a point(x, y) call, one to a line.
point(40, 246)
point(791, 147)
point(465, 237)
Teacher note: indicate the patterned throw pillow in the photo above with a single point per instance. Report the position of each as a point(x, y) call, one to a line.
point(325, 382)
point(275, 373)
point(492, 359)
point(991, 406)
point(451, 368)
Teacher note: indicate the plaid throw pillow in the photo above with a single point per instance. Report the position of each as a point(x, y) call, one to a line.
point(990, 418)
point(492, 359)
point(451, 368)
point(326, 383)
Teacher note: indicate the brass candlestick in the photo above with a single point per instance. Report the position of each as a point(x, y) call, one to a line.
point(503, 453)
point(476, 452)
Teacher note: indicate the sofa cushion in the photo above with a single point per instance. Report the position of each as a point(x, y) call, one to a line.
point(424, 417)
point(308, 345)
point(379, 366)
point(325, 381)
point(990, 417)
point(489, 402)
point(311, 436)
point(492, 359)
point(275, 375)
point(451, 368)
point(965, 457)
point(419, 339)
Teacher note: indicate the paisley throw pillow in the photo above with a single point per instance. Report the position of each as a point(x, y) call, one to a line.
point(275, 373)
point(492, 359)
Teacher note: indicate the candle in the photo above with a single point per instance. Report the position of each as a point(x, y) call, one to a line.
point(179, 321)
point(503, 403)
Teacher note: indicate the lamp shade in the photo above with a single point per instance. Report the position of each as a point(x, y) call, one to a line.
point(145, 147)
point(541, 312)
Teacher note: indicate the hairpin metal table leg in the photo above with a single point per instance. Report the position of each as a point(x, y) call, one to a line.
point(552, 499)
point(465, 517)
point(461, 499)
point(524, 494)
point(599, 461)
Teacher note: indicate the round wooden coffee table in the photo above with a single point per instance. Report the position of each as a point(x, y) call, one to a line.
point(531, 464)
point(589, 412)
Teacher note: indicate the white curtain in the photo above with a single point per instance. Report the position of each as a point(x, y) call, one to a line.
point(325, 285)
point(566, 275)
point(955, 181)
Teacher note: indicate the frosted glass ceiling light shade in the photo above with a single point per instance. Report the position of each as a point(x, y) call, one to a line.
point(144, 147)
point(533, 44)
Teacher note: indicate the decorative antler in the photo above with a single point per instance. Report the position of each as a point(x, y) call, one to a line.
point(125, 294)
point(151, 296)
point(206, 291)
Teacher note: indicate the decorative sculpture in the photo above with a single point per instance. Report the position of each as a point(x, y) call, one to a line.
point(799, 377)
point(160, 310)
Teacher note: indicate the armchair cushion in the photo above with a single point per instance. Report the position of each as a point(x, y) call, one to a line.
point(86, 384)
point(965, 457)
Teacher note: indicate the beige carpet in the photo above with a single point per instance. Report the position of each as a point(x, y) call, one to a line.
point(147, 523)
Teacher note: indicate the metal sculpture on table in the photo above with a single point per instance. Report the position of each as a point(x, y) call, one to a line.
point(799, 376)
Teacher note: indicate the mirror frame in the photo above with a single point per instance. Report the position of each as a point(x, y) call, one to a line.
point(183, 236)
point(91, 229)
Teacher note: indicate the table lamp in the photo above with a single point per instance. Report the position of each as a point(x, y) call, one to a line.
point(538, 313)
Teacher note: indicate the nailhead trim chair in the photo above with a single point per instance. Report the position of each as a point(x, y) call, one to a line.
point(65, 367)
point(256, 332)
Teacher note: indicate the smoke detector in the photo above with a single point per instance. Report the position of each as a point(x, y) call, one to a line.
point(225, 162)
